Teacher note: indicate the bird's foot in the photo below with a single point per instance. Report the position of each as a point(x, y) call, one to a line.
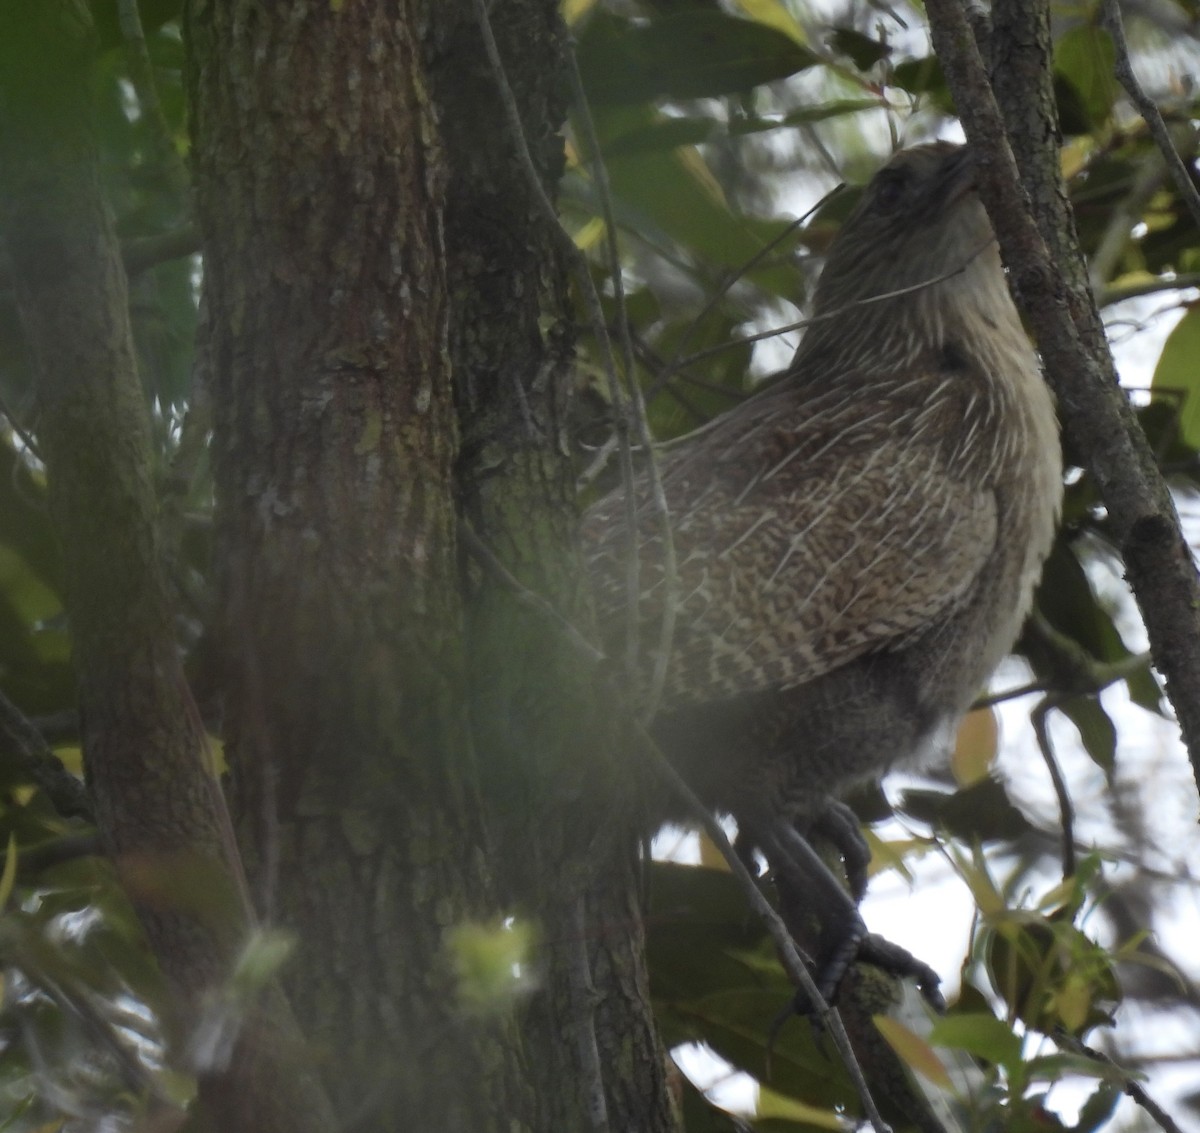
point(899, 962)
point(839, 825)
point(858, 946)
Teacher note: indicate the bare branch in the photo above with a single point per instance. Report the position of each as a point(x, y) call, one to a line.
point(1150, 113)
point(21, 741)
point(1132, 1087)
point(1066, 809)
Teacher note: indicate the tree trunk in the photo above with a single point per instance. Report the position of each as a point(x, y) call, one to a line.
point(334, 148)
point(320, 187)
point(562, 804)
point(157, 805)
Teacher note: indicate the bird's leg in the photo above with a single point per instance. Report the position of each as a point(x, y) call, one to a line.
point(809, 890)
point(839, 825)
point(805, 881)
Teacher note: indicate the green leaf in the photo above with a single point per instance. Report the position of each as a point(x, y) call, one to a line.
point(863, 51)
point(1084, 57)
point(688, 54)
point(913, 1050)
point(9, 876)
point(1178, 372)
point(775, 14)
point(982, 1035)
point(1096, 730)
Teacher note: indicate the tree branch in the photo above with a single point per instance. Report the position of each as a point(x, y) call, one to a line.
point(1053, 295)
point(1149, 111)
point(21, 741)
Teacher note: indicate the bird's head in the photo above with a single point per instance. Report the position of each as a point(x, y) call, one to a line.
point(919, 220)
point(915, 258)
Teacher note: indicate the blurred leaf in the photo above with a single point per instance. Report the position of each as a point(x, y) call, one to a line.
point(979, 812)
point(29, 597)
point(863, 51)
point(265, 951)
point(975, 747)
point(982, 1035)
point(492, 962)
point(774, 14)
point(9, 876)
point(775, 1105)
point(924, 77)
point(686, 54)
point(1096, 730)
point(913, 1050)
point(1084, 57)
point(1178, 373)
point(1099, 1107)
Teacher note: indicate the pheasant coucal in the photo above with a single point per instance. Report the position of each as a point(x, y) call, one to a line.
point(857, 545)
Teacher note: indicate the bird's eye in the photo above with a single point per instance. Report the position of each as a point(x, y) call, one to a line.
point(889, 189)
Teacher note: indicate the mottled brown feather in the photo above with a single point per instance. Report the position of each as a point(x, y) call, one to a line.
point(808, 535)
point(857, 545)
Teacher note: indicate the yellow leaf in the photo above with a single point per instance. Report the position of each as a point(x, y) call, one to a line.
point(773, 14)
point(9, 877)
point(689, 157)
point(771, 1104)
point(983, 889)
point(590, 234)
point(913, 1050)
point(710, 856)
point(574, 10)
point(1072, 1003)
point(72, 758)
point(975, 747)
point(1074, 155)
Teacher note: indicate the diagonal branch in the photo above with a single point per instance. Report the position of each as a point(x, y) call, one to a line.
point(1052, 294)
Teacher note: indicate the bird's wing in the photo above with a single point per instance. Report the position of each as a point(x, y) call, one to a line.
point(795, 556)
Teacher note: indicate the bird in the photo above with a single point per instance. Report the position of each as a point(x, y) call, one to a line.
point(857, 545)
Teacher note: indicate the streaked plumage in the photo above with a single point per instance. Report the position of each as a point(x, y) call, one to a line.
point(858, 545)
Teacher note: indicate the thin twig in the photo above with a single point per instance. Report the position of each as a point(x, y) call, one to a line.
point(490, 562)
point(1149, 111)
point(836, 313)
point(994, 698)
point(141, 75)
point(22, 741)
point(1066, 809)
point(743, 270)
point(792, 963)
point(1183, 281)
point(578, 263)
point(1132, 1087)
point(648, 705)
point(1099, 676)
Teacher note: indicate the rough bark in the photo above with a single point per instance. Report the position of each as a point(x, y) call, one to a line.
point(143, 751)
point(157, 807)
point(1029, 213)
point(559, 801)
point(320, 187)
